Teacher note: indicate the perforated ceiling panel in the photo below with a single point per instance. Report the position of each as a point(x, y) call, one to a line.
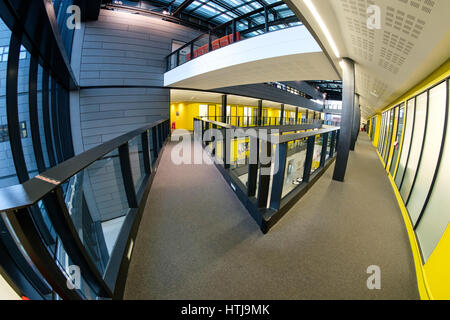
point(413, 41)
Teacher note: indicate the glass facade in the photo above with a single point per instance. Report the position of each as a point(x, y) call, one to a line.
point(431, 150)
point(8, 174)
point(219, 12)
point(410, 112)
point(391, 122)
point(35, 136)
point(434, 219)
point(416, 146)
point(422, 150)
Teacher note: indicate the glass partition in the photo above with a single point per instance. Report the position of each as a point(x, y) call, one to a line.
point(137, 162)
point(373, 128)
point(410, 112)
point(295, 163)
point(40, 113)
point(329, 151)
point(393, 114)
point(239, 154)
point(387, 128)
point(416, 146)
point(7, 170)
point(318, 142)
point(435, 220)
point(398, 138)
point(431, 150)
point(380, 139)
point(97, 204)
point(24, 112)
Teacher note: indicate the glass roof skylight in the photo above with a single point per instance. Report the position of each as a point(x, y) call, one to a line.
point(221, 11)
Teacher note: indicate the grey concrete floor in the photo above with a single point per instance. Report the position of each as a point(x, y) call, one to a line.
point(196, 241)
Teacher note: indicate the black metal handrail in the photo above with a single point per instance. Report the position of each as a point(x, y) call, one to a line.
point(225, 26)
point(34, 205)
point(30, 192)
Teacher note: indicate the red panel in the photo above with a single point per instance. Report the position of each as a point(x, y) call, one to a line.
point(238, 37)
point(224, 41)
point(215, 44)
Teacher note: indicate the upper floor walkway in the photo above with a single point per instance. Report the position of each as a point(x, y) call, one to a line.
point(289, 54)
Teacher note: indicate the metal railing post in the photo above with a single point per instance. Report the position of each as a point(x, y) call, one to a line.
point(309, 158)
point(332, 143)
point(155, 142)
point(278, 177)
point(146, 153)
point(253, 166)
point(323, 155)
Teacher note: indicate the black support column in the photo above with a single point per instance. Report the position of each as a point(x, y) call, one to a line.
point(282, 114)
point(260, 112)
point(296, 115)
point(224, 108)
point(348, 101)
point(356, 123)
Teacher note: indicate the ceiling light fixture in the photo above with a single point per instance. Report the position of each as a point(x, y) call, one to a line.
point(323, 26)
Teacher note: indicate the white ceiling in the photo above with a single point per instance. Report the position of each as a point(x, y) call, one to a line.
point(177, 96)
point(413, 41)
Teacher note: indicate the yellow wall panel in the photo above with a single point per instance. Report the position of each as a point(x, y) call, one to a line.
point(433, 277)
point(437, 268)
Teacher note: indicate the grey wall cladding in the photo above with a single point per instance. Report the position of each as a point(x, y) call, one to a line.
point(124, 49)
point(120, 49)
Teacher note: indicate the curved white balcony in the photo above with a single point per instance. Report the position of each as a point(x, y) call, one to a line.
point(286, 55)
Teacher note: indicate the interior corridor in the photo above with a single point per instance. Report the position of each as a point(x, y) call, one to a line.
point(196, 240)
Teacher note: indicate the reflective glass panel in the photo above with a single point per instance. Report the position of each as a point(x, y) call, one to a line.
point(295, 162)
point(97, 204)
point(382, 131)
point(393, 115)
point(410, 111)
point(137, 162)
point(397, 140)
point(41, 118)
point(24, 112)
point(416, 145)
point(317, 153)
point(436, 215)
point(431, 150)
point(7, 170)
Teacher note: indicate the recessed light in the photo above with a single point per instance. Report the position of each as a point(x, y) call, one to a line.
point(323, 26)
